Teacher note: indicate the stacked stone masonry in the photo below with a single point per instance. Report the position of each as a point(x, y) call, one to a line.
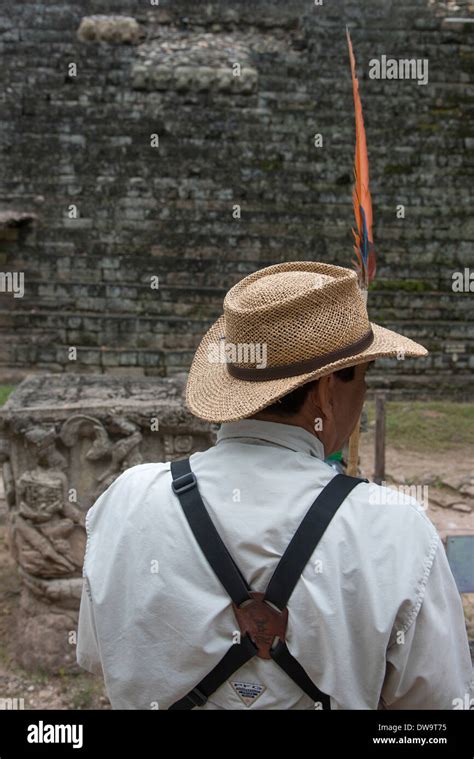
point(127, 141)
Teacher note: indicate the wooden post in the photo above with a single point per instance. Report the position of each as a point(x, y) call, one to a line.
point(379, 469)
point(352, 464)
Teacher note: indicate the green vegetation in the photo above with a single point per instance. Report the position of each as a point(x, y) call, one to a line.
point(5, 391)
point(270, 164)
point(39, 676)
point(395, 168)
point(84, 690)
point(83, 699)
point(428, 427)
point(450, 111)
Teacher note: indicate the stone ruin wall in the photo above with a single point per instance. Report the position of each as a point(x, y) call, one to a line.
point(83, 139)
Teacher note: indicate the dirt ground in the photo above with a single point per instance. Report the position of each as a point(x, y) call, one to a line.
point(430, 469)
point(85, 691)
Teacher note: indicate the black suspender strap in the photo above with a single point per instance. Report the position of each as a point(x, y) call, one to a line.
point(279, 589)
point(236, 657)
point(292, 564)
point(306, 538)
point(282, 656)
point(185, 486)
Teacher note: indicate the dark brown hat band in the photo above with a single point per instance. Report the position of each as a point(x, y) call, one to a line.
point(300, 367)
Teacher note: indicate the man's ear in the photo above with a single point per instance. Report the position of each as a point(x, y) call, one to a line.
point(324, 395)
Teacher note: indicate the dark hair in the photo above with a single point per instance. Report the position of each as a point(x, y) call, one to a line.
point(292, 402)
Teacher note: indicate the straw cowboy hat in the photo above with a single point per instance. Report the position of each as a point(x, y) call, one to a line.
point(283, 326)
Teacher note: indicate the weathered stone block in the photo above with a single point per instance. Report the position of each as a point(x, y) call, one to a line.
point(63, 440)
point(113, 29)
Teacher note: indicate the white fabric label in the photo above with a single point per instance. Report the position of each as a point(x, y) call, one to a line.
point(247, 692)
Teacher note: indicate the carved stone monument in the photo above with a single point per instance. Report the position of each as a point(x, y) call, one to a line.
point(64, 438)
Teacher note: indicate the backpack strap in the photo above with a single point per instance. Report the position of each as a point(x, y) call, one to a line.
point(278, 592)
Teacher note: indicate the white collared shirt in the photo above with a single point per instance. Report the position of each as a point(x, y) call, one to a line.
point(375, 619)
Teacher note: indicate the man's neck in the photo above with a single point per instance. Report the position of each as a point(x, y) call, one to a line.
point(297, 420)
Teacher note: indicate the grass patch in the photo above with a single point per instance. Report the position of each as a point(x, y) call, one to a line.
point(427, 427)
point(5, 656)
point(85, 690)
point(39, 677)
point(468, 604)
point(5, 391)
point(83, 699)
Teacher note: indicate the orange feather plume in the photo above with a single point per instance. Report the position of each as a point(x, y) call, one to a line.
point(364, 246)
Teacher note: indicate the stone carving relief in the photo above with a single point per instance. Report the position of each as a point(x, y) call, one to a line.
point(177, 445)
point(47, 529)
point(48, 535)
point(117, 456)
point(42, 440)
point(55, 466)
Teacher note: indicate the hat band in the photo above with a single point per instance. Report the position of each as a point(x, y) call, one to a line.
point(282, 371)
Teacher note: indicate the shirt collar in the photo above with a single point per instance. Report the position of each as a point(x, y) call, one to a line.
point(287, 435)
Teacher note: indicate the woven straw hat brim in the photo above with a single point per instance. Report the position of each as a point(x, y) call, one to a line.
point(214, 395)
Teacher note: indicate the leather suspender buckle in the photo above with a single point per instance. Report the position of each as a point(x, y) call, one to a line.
point(262, 622)
point(183, 483)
